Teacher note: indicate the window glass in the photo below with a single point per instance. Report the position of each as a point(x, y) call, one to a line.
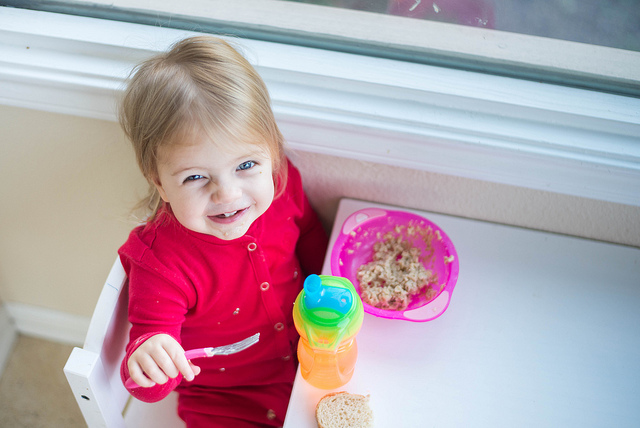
point(613, 23)
point(524, 39)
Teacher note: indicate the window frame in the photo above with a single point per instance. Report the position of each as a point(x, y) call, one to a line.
point(460, 123)
point(440, 44)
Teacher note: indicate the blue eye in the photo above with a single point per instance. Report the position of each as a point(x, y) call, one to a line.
point(246, 165)
point(193, 178)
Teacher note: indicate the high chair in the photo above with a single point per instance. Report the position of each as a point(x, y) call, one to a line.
point(93, 371)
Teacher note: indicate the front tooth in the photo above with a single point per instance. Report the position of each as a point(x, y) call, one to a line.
point(230, 214)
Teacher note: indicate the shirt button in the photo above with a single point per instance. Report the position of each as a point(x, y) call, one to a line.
point(264, 286)
point(252, 246)
point(271, 415)
point(286, 358)
point(279, 326)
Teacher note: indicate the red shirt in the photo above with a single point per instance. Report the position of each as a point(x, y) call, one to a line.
point(205, 291)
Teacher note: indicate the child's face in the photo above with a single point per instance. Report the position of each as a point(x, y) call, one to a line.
point(218, 189)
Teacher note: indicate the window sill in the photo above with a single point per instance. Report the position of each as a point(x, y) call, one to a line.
point(498, 129)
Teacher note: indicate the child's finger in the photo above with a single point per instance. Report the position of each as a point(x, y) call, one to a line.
point(196, 369)
point(184, 366)
point(167, 364)
point(137, 375)
point(151, 369)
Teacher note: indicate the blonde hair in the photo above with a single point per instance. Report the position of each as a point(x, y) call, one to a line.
point(201, 84)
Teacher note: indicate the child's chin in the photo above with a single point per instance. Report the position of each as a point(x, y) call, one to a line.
point(231, 233)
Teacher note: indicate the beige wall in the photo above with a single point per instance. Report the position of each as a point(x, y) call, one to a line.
point(67, 184)
point(327, 179)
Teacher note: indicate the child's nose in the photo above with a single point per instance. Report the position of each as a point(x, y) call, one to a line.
point(226, 193)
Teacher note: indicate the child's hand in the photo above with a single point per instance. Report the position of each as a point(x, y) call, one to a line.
point(159, 358)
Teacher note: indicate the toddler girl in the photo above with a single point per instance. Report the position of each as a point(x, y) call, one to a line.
point(229, 241)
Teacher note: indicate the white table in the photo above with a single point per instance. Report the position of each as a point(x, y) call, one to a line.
point(542, 331)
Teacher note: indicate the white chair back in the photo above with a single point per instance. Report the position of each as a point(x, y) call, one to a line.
point(93, 371)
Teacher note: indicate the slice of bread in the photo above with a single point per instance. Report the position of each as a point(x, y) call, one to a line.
point(344, 410)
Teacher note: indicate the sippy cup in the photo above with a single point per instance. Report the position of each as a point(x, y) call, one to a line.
point(328, 314)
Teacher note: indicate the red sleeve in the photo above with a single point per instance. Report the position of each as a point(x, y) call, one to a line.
point(156, 305)
point(312, 244)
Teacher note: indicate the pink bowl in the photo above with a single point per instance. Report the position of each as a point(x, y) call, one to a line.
point(354, 247)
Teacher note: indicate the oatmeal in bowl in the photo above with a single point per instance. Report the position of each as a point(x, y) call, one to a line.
point(403, 265)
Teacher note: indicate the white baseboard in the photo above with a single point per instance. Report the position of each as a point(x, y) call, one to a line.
point(48, 324)
point(8, 334)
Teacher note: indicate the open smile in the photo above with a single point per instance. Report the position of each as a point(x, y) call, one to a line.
point(228, 217)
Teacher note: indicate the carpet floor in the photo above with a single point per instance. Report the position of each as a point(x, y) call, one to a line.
point(34, 392)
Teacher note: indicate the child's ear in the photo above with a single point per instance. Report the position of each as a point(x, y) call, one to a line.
point(156, 182)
